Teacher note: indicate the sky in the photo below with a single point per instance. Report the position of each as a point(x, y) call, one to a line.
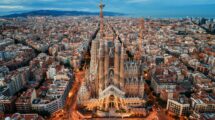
point(146, 8)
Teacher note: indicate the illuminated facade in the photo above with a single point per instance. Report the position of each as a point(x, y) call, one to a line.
point(113, 80)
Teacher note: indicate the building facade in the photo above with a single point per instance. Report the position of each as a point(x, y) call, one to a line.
point(113, 80)
point(178, 106)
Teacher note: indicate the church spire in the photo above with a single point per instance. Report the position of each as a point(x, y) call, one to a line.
point(101, 6)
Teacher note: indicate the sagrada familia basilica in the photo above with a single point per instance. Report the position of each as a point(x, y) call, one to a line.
point(114, 81)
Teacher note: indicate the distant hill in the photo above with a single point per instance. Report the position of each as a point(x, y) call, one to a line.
point(56, 13)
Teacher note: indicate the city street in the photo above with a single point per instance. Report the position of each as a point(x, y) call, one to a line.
point(69, 111)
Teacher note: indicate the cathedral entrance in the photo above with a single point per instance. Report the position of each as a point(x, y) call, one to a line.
point(112, 98)
point(111, 101)
point(111, 105)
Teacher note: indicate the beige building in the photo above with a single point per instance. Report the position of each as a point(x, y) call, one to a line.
point(23, 103)
point(159, 84)
point(203, 102)
point(179, 106)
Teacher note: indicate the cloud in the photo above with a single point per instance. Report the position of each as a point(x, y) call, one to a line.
point(11, 7)
point(66, 9)
point(12, 1)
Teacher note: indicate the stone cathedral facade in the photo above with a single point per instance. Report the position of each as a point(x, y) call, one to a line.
point(113, 80)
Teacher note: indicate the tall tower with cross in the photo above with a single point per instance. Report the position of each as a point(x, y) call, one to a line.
point(101, 6)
